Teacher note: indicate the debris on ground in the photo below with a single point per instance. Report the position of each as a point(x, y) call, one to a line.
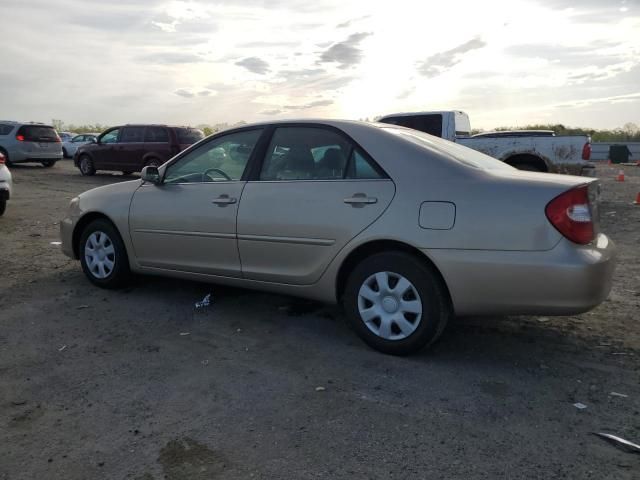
point(621, 442)
point(206, 301)
point(55, 244)
point(320, 389)
point(184, 334)
point(18, 403)
point(81, 307)
point(616, 394)
point(580, 406)
point(62, 348)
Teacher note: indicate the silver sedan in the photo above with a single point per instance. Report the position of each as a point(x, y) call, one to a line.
point(403, 228)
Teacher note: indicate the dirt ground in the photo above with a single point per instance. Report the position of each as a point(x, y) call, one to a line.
point(137, 384)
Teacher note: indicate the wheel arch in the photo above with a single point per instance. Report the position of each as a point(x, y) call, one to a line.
point(527, 159)
point(377, 246)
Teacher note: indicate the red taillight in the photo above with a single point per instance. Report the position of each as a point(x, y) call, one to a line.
point(20, 138)
point(58, 139)
point(586, 151)
point(570, 213)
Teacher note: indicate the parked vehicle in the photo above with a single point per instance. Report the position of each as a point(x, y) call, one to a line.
point(29, 142)
point(5, 185)
point(130, 148)
point(403, 228)
point(71, 145)
point(533, 150)
point(66, 136)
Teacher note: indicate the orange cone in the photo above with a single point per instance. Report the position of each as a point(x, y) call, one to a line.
point(620, 177)
point(637, 202)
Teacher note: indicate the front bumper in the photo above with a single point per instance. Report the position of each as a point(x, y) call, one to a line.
point(567, 280)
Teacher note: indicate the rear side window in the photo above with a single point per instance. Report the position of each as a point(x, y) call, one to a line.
point(431, 124)
point(156, 135)
point(5, 129)
point(132, 135)
point(187, 136)
point(37, 133)
point(311, 153)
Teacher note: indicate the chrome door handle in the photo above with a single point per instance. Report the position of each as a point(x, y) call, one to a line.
point(360, 199)
point(224, 200)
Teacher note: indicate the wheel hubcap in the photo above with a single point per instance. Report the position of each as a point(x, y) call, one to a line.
point(389, 305)
point(99, 254)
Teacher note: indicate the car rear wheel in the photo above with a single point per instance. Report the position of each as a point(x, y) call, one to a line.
point(153, 162)
point(65, 154)
point(48, 163)
point(7, 161)
point(396, 303)
point(3, 206)
point(103, 256)
point(86, 166)
point(528, 167)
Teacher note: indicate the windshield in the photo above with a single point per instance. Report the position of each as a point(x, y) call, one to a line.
point(464, 155)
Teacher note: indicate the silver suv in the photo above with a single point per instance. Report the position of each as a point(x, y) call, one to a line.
point(29, 142)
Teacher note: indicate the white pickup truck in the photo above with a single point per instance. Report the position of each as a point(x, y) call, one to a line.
point(534, 150)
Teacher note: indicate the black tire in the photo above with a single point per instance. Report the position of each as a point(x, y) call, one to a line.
point(528, 167)
point(48, 163)
point(119, 274)
point(434, 300)
point(3, 206)
point(85, 164)
point(64, 153)
point(153, 162)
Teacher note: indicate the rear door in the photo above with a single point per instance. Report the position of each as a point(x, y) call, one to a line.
point(156, 142)
point(314, 192)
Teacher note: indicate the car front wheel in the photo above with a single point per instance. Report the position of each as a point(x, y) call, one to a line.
point(103, 255)
point(396, 303)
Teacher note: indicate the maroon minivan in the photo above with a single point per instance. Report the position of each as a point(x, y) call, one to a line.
point(130, 148)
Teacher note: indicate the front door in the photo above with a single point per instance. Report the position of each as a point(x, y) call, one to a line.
point(316, 191)
point(188, 222)
point(130, 149)
point(103, 151)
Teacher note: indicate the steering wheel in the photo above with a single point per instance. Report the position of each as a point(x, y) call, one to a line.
point(217, 170)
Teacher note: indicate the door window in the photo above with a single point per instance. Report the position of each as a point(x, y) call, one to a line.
point(77, 139)
point(132, 135)
point(110, 137)
point(156, 135)
point(222, 159)
point(311, 153)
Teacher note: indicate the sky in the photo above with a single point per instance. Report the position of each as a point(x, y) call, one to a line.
point(505, 63)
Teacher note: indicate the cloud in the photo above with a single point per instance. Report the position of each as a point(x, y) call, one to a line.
point(264, 44)
point(317, 103)
point(569, 56)
point(170, 58)
point(440, 62)
point(271, 112)
point(182, 92)
point(349, 22)
point(346, 53)
point(254, 65)
point(205, 93)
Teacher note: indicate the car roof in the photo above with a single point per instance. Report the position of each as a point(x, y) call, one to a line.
point(154, 125)
point(413, 114)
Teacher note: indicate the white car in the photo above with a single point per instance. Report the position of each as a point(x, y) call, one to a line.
point(69, 147)
point(5, 184)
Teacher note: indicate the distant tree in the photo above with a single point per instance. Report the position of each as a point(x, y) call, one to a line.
point(58, 125)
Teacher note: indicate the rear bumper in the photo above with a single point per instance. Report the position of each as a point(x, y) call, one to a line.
point(24, 157)
point(569, 279)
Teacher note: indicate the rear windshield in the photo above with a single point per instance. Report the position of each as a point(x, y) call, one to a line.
point(5, 129)
point(188, 136)
point(38, 133)
point(431, 124)
point(464, 155)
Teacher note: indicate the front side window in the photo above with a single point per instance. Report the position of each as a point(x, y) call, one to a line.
point(77, 139)
point(5, 129)
point(222, 159)
point(111, 136)
point(132, 135)
point(312, 153)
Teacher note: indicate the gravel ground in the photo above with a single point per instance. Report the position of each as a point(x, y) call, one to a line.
point(137, 384)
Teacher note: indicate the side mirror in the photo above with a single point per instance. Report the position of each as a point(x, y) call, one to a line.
point(150, 174)
point(93, 140)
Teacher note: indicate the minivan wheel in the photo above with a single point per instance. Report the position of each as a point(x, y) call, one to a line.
point(395, 303)
point(48, 163)
point(102, 255)
point(86, 166)
point(153, 163)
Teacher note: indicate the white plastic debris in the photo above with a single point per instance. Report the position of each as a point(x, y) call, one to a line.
point(184, 334)
point(320, 389)
point(630, 446)
point(206, 301)
point(580, 406)
point(616, 394)
point(62, 348)
point(55, 243)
